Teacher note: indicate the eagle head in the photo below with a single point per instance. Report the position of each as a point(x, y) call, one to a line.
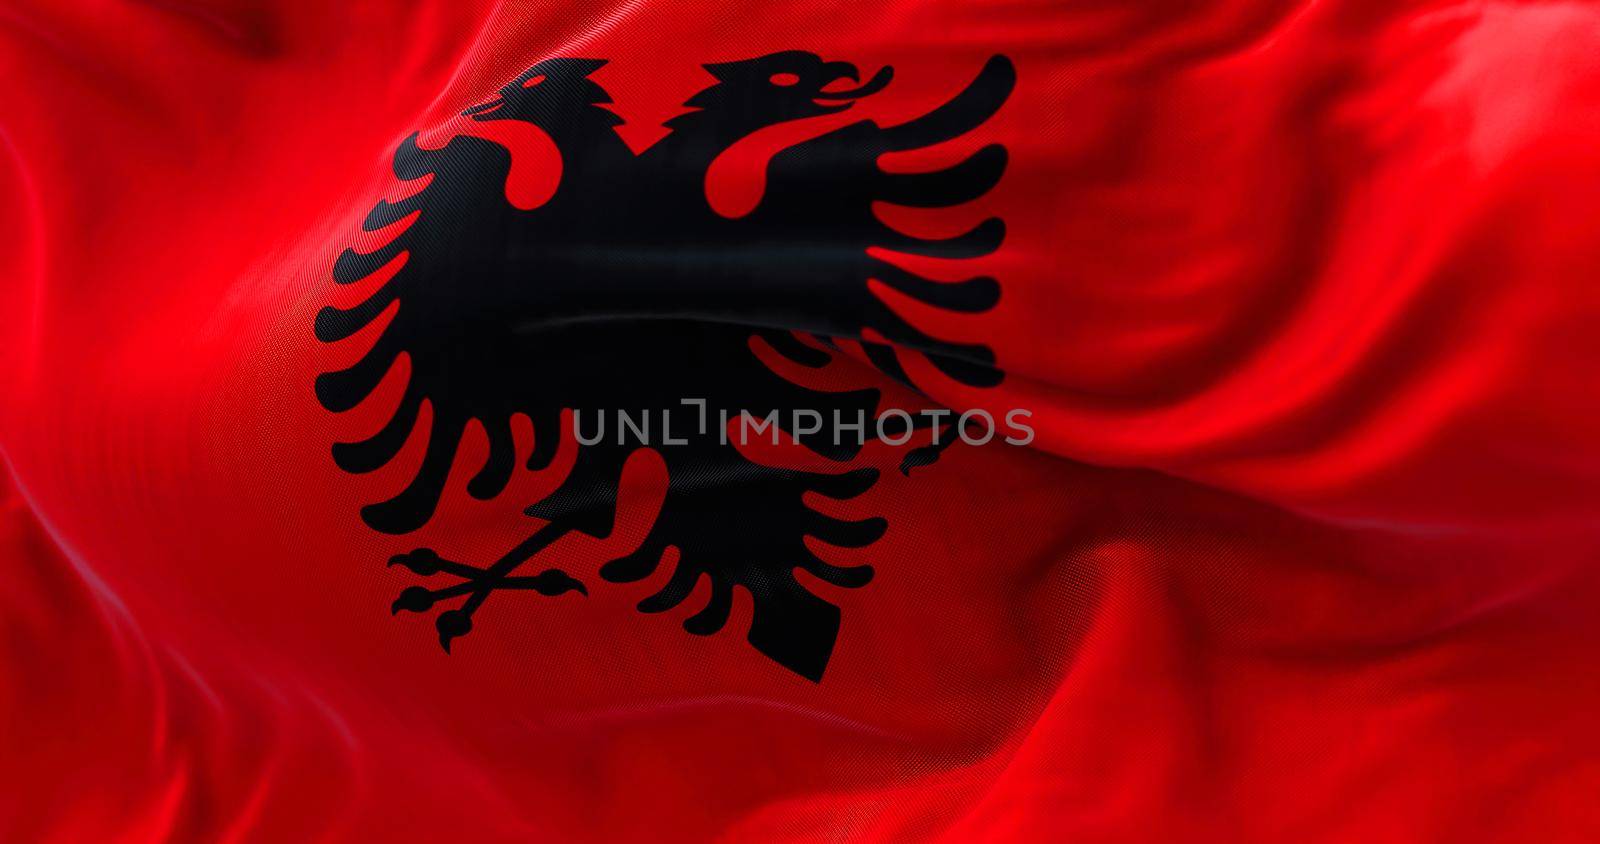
point(551, 89)
point(785, 86)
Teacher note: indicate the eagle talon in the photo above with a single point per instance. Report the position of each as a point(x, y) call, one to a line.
point(412, 599)
point(452, 624)
point(423, 561)
point(552, 582)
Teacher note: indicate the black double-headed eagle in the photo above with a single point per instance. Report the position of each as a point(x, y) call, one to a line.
point(627, 292)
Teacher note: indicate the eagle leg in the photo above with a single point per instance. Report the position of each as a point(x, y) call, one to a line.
point(478, 583)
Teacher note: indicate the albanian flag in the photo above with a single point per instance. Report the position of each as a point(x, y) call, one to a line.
point(902, 421)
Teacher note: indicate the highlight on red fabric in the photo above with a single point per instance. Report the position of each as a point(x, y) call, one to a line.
point(1302, 297)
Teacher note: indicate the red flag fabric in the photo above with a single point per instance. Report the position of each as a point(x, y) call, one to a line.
point(1298, 298)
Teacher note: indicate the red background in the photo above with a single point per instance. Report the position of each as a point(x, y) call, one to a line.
point(1302, 295)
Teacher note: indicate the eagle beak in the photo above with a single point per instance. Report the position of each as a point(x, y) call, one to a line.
point(878, 82)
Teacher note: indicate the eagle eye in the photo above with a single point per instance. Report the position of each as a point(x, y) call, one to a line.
point(784, 80)
point(534, 81)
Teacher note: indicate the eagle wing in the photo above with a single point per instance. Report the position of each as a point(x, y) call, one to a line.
point(447, 276)
point(818, 212)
